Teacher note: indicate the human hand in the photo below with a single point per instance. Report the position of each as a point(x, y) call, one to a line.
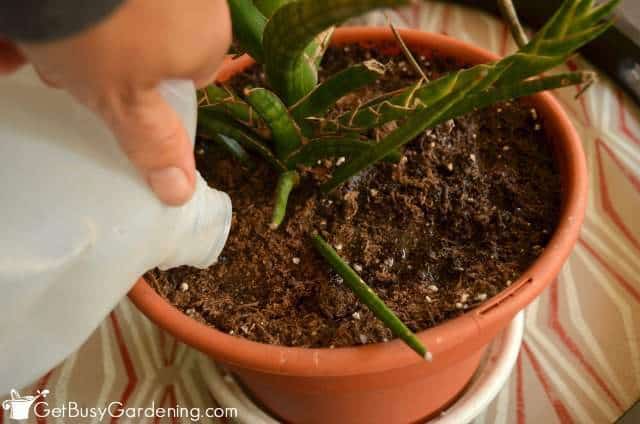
point(114, 69)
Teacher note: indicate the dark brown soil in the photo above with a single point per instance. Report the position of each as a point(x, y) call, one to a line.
point(468, 208)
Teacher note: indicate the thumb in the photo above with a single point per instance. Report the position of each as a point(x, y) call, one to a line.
point(153, 137)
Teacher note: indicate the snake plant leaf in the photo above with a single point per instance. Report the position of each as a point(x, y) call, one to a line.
point(595, 15)
point(334, 147)
point(540, 55)
point(369, 297)
point(379, 112)
point(223, 100)
point(248, 27)
point(285, 133)
point(214, 93)
point(556, 47)
point(327, 147)
point(417, 122)
point(212, 123)
point(306, 72)
point(268, 7)
point(316, 50)
point(560, 22)
point(522, 89)
point(294, 26)
point(573, 16)
point(235, 149)
point(398, 106)
point(583, 6)
point(325, 95)
point(286, 182)
point(453, 105)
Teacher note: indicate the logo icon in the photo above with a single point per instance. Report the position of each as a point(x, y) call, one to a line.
point(21, 405)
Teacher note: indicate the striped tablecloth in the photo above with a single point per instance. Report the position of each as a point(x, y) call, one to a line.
point(580, 361)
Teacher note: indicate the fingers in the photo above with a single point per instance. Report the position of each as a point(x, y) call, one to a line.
point(153, 137)
point(10, 57)
point(207, 75)
point(215, 41)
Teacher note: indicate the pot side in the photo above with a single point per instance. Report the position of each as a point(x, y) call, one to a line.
point(388, 383)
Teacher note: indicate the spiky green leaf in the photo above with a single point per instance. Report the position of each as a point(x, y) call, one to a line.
point(545, 51)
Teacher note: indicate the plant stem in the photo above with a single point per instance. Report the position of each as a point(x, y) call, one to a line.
point(510, 15)
point(287, 181)
point(369, 297)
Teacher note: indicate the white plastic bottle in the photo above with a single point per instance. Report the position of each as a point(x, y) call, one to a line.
point(78, 225)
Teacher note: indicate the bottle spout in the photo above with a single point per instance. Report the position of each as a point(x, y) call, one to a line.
point(202, 228)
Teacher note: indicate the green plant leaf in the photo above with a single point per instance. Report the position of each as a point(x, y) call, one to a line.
point(453, 105)
point(325, 95)
point(248, 27)
point(369, 297)
point(306, 72)
point(418, 96)
point(418, 121)
point(268, 7)
point(286, 182)
point(285, 133)
point(334, 147)
point(573, 17)
point(316, 50)
point(222, 100)
point(293, 27)
point(213, 123)
point(305, 76)
point(540, 55)
point(595, 15)
point(235, 149)
point(327, 147)
point(522, 89)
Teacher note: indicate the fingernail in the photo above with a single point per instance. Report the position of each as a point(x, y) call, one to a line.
point(171, 185)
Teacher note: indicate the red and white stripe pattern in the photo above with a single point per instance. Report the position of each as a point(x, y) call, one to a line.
point(580, 361)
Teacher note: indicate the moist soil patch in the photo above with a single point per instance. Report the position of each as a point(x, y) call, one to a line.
point(471, 204)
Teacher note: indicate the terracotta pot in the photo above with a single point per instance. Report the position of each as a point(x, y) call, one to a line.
point(388, 383)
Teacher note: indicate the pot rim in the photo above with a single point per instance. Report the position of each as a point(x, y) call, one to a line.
point(446, 341)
